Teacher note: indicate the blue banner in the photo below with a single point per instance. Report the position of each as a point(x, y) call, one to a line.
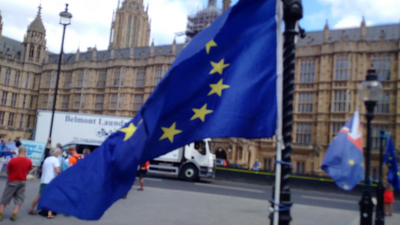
point(35, 151)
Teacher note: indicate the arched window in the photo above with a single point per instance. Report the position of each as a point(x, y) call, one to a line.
point(37, 53)
point(31, 52)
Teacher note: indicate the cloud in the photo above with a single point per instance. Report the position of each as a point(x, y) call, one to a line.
point(350, 13)
point(350, 22)
point(91, 20)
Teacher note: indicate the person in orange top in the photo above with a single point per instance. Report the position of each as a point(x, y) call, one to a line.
point(141, 173)
point(74, 156)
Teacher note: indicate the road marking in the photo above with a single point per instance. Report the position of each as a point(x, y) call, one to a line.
point(151, 179)
point(231, 188)
point(329, 199)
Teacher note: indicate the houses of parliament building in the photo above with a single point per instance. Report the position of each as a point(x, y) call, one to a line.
point(330, 65)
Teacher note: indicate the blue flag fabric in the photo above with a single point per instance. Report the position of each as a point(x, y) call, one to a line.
point(343, 160)
point(393, 175)
point(223, 84)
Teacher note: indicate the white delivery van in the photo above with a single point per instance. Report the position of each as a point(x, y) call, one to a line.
point(190, 162)
point(90, 130)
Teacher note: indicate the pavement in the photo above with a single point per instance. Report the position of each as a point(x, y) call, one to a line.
point(168, 201)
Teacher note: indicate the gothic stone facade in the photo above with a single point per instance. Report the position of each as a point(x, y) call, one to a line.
point(330, 65)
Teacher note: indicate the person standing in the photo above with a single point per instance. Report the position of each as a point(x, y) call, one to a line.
point(74, 156)
point(86, 152)
point(141, 174)
point(61, 159)
point(17, 142)
point(17, 169)
point(3, 150)
point(257, 165)
point(388, 198)
point(50, 169)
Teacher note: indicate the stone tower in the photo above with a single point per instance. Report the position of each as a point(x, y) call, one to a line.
point(226, 4)
point(1, 26)
point(34, 45)
point(130, 26)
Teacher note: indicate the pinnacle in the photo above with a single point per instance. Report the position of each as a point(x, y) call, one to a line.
point(37, 24)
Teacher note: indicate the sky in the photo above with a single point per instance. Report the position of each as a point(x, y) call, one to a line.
point(92, 18)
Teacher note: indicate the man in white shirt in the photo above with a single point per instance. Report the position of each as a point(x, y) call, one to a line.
point(50, 169)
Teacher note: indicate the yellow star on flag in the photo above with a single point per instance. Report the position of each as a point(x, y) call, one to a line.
point(209, 45)
point(129, 131)
point(170, 132)
point(218, 67)
point(390, 157)
point(217, 88)
point(345, 187)
point(351, 162)
point(398, 173)
point(201, 113)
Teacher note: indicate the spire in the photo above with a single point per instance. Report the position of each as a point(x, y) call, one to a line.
point(212, 3)
point(326, 32)
point(363, 29)
point(226, 4)
point(174, 47)
point(94, 52)
point(152, 48)
point(1, 25)
point(77, 55)
point(147, 9)
point(37, 24)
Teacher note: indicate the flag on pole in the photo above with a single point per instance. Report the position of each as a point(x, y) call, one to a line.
point(223, 84)
point(393, 175)
point(343, 160)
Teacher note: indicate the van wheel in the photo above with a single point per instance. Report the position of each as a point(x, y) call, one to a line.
point(190, 173)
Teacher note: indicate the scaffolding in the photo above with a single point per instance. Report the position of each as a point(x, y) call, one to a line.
point(202, 19)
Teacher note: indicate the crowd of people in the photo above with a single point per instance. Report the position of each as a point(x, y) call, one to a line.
point(55, 163)
point(19, 167)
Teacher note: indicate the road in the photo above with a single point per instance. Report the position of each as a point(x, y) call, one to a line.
point(171, 201)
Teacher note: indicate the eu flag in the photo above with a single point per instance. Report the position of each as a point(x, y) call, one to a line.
point(343, 160)
point(393, 175)
point(223, 84)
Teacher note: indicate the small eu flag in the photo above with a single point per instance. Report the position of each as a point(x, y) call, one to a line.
point(393, 175)
point(343, 160)
point(223, 84)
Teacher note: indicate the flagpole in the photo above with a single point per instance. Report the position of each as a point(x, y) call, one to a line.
point(292, 13)
point(279, 87)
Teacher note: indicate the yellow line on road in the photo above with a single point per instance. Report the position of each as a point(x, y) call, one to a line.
point(273, 174)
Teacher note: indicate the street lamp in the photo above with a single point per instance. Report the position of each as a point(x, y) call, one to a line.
point(370, 91)
point(65, 20)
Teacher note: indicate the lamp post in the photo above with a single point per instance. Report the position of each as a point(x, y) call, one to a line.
point(370, 91)
point(380, 214)
point(65, 20)
point(292, 13)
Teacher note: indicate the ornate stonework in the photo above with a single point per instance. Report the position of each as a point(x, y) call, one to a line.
point(130, 26)
point(330, 65)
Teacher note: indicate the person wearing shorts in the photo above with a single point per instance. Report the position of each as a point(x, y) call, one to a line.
point(141, 173)
point(388, 198)
point(50, 169)
point(17, 169)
